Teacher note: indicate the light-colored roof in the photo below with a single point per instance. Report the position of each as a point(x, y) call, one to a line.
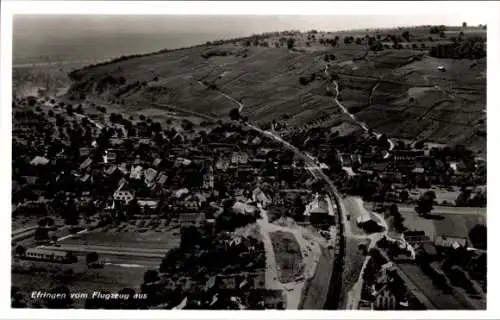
point(46, 252)
point(150, 175)
point(85, 164)
point(111, 169)
point(136, 172)
point(39, 160)
point(179, 193)
point(156, 162)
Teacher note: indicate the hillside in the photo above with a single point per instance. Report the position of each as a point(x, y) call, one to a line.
point(387, 78)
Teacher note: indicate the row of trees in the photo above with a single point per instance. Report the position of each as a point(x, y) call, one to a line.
point(470, 48)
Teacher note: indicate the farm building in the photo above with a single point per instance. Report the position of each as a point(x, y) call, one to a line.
point(47, 254)
point(450, 242)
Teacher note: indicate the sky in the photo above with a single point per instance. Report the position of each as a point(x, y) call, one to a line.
point(70, 25)
point(97, 37)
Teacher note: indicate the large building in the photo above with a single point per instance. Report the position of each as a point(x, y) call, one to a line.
point(318, 211)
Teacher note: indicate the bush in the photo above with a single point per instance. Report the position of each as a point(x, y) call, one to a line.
point(234, 114)
point(303, 81)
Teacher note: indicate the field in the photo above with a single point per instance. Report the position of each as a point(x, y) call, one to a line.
point(445, 221)
point(288, 255)
point(441, 300)
point(398, 92)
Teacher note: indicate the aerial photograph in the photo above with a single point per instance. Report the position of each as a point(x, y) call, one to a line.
point(248, 162)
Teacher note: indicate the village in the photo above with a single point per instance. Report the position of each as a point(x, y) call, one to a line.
point(130, 191)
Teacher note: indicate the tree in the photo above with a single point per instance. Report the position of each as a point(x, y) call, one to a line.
point(91, 257)
point(49, 221)
point(478, 236)
point(133, 208)
point(20, 251)
point(290, 43)
point(234, 114)
point(464, 24)
point(151, 276)
point(463, 198)
point(404, 196)
point(71, 214)
point(303, 81)
point(63, 303)
point(16, 298)
point(425, 203)
point(406, 35)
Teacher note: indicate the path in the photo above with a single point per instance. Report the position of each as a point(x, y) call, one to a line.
point(353, 117)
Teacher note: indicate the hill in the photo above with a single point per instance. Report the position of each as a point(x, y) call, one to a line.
point(388, 78)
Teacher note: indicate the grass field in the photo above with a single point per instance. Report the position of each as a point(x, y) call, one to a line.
point(441, 300)
point(450, 224)
point(146, 240)
point(288, 255)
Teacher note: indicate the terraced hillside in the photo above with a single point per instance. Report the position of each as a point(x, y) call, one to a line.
point(398, 91)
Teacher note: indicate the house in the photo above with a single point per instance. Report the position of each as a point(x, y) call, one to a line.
point(208, 178)
point(47, 254)
point(179, 193)
point(317, 211)
point(123, 194)
point(149, 176)
point(146, 202)
point(109, 156)
point(258, 196)
point(222, 163)
point(84, 151)
point(160, 181)
point(115, 141)
point(124, 168)
point(39, 161)
point(86, 178)
point(111, 170)
point(156, 162)
point(348, 160)
point(243, 208)
point(256, 141)
point(182, 162)
point(31, 179)
point(136, 172)
point(445, 241)
point(385, 300)
point(416, 237)
point(418, 170)
point(85, 164)
point(407, 155)
point(239, 157)
point(188, 219)
point(145, 141)
point(263, 152)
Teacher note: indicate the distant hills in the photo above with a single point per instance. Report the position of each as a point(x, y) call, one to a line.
point(387, 78)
